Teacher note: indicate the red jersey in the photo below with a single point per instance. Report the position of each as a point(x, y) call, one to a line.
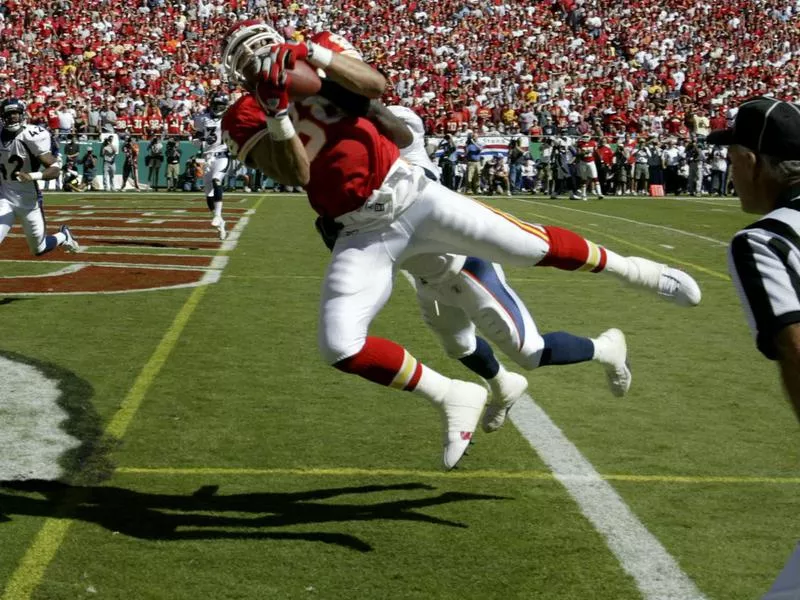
point(51, 114)
point(349, 158)
point(174, 123)
point(123, 123)
point(586, 150)
point(606, 155)
point(137, 124)
point(155, 124)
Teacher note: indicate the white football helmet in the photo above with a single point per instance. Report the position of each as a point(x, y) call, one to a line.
point(245, 38)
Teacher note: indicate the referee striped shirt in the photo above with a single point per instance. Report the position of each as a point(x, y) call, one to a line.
point(764, 262)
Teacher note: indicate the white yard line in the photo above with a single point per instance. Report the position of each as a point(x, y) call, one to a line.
point(656, 573)
point(626, 220)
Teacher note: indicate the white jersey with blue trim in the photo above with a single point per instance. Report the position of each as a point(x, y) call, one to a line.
point(209, 130)
point(21, 153)
point(415, 153)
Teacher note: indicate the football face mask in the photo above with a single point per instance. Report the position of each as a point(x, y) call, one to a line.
point(243, 41)
point(12, 115)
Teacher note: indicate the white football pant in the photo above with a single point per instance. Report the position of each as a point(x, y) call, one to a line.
point(479, 295)
point(215, 170)
point(32, 220)
point(409, 215)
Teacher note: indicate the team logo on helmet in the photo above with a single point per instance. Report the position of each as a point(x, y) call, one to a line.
point(244, 39)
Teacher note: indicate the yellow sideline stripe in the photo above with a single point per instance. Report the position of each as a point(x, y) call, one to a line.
point(666, 257)
point(31, 569)
point(477, 474)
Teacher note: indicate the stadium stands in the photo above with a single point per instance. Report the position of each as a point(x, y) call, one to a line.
point(494, 66)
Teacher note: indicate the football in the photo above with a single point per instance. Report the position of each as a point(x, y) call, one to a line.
point(304, 81)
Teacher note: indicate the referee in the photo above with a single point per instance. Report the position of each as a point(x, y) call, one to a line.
point(764, 258)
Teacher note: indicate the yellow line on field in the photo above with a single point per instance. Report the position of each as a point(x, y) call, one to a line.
point(478, 474)
point(666, 257)
point(29, 573)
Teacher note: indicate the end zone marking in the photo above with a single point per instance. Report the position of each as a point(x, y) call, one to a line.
point(31, 569)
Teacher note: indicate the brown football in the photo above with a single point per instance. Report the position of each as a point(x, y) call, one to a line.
point(304, 81)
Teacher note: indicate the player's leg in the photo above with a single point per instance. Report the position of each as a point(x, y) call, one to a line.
point(35, 228)
point(456, 332)
point(213, 175)
point(7, 218)
point(489, 301)
point(444, 221)
point(357, 284)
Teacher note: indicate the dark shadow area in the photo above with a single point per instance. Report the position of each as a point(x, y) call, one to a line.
point(89, 462)
point(4, 301)
point(202, 514)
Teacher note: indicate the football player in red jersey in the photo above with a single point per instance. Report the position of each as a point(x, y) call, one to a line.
point(389, 212)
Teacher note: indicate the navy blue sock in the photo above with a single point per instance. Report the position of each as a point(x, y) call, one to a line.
point(50, 243)
point(217, 191)
point(562, 348)
point(482, 362)
point(210, 203)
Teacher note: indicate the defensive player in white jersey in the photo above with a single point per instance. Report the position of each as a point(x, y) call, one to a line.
point(390, 212)
point(458, 294)
point(24, 150)
point(208, 137)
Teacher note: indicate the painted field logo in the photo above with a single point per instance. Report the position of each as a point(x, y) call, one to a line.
point(123, 250)
point(49, 429)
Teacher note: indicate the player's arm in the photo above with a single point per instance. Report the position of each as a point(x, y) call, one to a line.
point(761, 276)
point(787, 343)
point(265, 139)
point(349, 72)
point(284, 161)
point(388, 123)
point(355, 75)
point(52, 169)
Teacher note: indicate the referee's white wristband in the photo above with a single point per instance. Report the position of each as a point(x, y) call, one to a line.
point(280, 128)
point(319, 56)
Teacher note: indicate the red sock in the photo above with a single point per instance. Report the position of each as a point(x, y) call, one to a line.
point(384, 362)
point(570, 252)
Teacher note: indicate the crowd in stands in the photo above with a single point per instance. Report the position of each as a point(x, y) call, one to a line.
point(635, 72)
point(507, 66)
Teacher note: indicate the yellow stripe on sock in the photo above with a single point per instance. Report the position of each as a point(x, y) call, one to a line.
point(405, 373)
point(593, 259)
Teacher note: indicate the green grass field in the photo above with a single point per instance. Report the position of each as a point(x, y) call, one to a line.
point(240, 466)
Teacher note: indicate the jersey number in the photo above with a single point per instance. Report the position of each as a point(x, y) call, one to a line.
point(311, 131)
point(13, 161)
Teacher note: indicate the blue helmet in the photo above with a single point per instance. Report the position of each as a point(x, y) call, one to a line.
point(12, 114)
point(219, 103)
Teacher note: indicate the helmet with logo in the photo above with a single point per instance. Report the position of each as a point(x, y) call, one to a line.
point(251, 37)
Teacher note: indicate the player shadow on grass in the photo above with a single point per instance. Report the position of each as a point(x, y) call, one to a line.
point(202, 515)
point(86, 460)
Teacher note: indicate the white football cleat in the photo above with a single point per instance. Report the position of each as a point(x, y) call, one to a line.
point(70, 244)
point(612, 352)
point(219, 224)
point(669, 283)
point(461, 410)
point(506, 390)
point(679, 286)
